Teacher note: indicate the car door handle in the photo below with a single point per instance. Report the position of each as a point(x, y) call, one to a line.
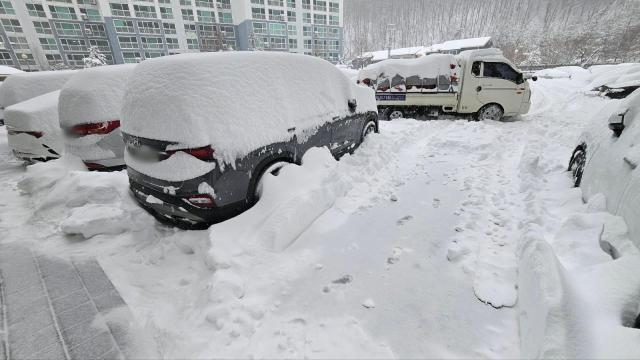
point(479, 88)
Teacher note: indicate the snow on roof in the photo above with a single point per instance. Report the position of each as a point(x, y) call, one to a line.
point(460, 44)
point(234, 101)
point(429, 66)
point(36, 114)
point(7, 70)
point(94, 95)
point(26, 85)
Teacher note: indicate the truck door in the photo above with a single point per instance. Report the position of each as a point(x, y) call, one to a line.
point(501, 84)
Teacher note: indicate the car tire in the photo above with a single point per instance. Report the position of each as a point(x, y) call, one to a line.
point(273, 169)
point(393, 114)
point(576, 165)
point(369, 128)
point(490, 112)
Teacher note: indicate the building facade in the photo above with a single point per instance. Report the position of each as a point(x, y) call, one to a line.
point(53, 34)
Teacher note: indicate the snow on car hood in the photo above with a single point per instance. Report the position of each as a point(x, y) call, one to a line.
point(23, 86)
point(94, 95)
point(37, 114)
point(235, 102)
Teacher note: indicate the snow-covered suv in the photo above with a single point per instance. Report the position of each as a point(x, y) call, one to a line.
point(202, 129)
point(606, 160)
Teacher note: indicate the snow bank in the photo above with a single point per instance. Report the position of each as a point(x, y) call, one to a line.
point(614, 75)
point(94, 95)
point(430, 66)
point(36, 114)
point(23, 86)
point(235, 101)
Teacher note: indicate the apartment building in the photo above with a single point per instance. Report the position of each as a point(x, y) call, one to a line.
point(50, 34)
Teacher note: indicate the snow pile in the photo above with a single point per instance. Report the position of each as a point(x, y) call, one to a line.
point(615, 75)
point(23, 86)
point(94, 95)
point(234, 101)
point(36, 114)
point(8, 70)
point(430, 66)
point(569, 72)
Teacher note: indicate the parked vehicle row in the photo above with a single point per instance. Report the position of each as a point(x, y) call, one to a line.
point(479, 82)
point(196, 151)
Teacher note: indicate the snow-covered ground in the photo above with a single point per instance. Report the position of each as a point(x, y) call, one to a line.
point(435, 239)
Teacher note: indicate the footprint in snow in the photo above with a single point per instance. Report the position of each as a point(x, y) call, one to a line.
point(403, 220)
point(395, 257)
point(436, 203)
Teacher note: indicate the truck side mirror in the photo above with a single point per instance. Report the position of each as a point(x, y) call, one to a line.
point(616, 123)
point(353, 104)
point(534, 78)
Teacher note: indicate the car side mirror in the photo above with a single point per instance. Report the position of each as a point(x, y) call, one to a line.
point(534, 78)
point(353, 104)
point(616, 123)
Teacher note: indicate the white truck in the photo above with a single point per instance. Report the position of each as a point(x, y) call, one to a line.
point(478, 82)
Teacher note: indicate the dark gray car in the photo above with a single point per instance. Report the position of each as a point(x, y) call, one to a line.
point(230, 187)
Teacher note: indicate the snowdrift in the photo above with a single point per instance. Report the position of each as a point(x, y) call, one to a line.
point(234, 101)
point(23, 86)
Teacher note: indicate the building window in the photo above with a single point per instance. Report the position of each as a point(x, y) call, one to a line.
point(189, 28)
point(257, 2)
point(307, 43)
point(307, 31)
point(319, 5)
point(229, 44)
point(276, 2)
point(36, 10)
point(169, 28)
point(258, 13)
point(192, 44)
point(6, 7)
point(228, 31)
point(291, 3)
point(186, 2)
point(293, 43)
point(26, 60)
point(11, 25)
point(206, 16)
point(149, 27)
point(62, 12)
point(164, 1)
point(124, 26)
point(334, 20)
point(320, 19)
point(225, 17)
point(334, 45)
point(276, 15)
point(334, 33)
point(292, 30)
point(48, 44)
point(207, 30)
point(53, 59)
point(166, 13)
point(306, 4)
point(277, 29)
point(291, 16)
point(102, 45)
point(204, 3)
point(128, 42)
point(68, 29)
point(119, 9)
point(224, 4)
point(76, 59)
point(151, 55)
point(152, 42)
point(172, 43)
point(73, 44)
point(320, 31)
point(260, 28)
point(91, 14)
point(187, 14)
point(95, 30)
point(334, 7)
point(131, 57)
point(145, 11)
point(42, 27)
point(306, 18)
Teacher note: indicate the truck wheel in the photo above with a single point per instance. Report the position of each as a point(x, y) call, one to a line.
point(490, 112)
point(395, 114)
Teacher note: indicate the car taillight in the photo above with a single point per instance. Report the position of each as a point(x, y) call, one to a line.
point(200, 200)
point(36, 134)
point(101, 128)
point(204, 153)
point(454, 78)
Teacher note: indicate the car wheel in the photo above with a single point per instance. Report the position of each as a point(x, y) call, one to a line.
point(395, 114)
point(490, 112)
point(576, 165)
point(273, 169)
point(369, 128)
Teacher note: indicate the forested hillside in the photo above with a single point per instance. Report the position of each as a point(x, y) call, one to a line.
point(528, 31)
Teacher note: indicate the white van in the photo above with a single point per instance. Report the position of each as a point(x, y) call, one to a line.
point(479, 82)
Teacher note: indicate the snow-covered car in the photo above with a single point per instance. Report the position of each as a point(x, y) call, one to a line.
point(607, 157)
point(615, 81)
point(89, 111)
point(33, 130)
point(201, 130)
point(5, 71)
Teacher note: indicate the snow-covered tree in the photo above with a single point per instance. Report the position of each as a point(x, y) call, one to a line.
point(95, 58)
